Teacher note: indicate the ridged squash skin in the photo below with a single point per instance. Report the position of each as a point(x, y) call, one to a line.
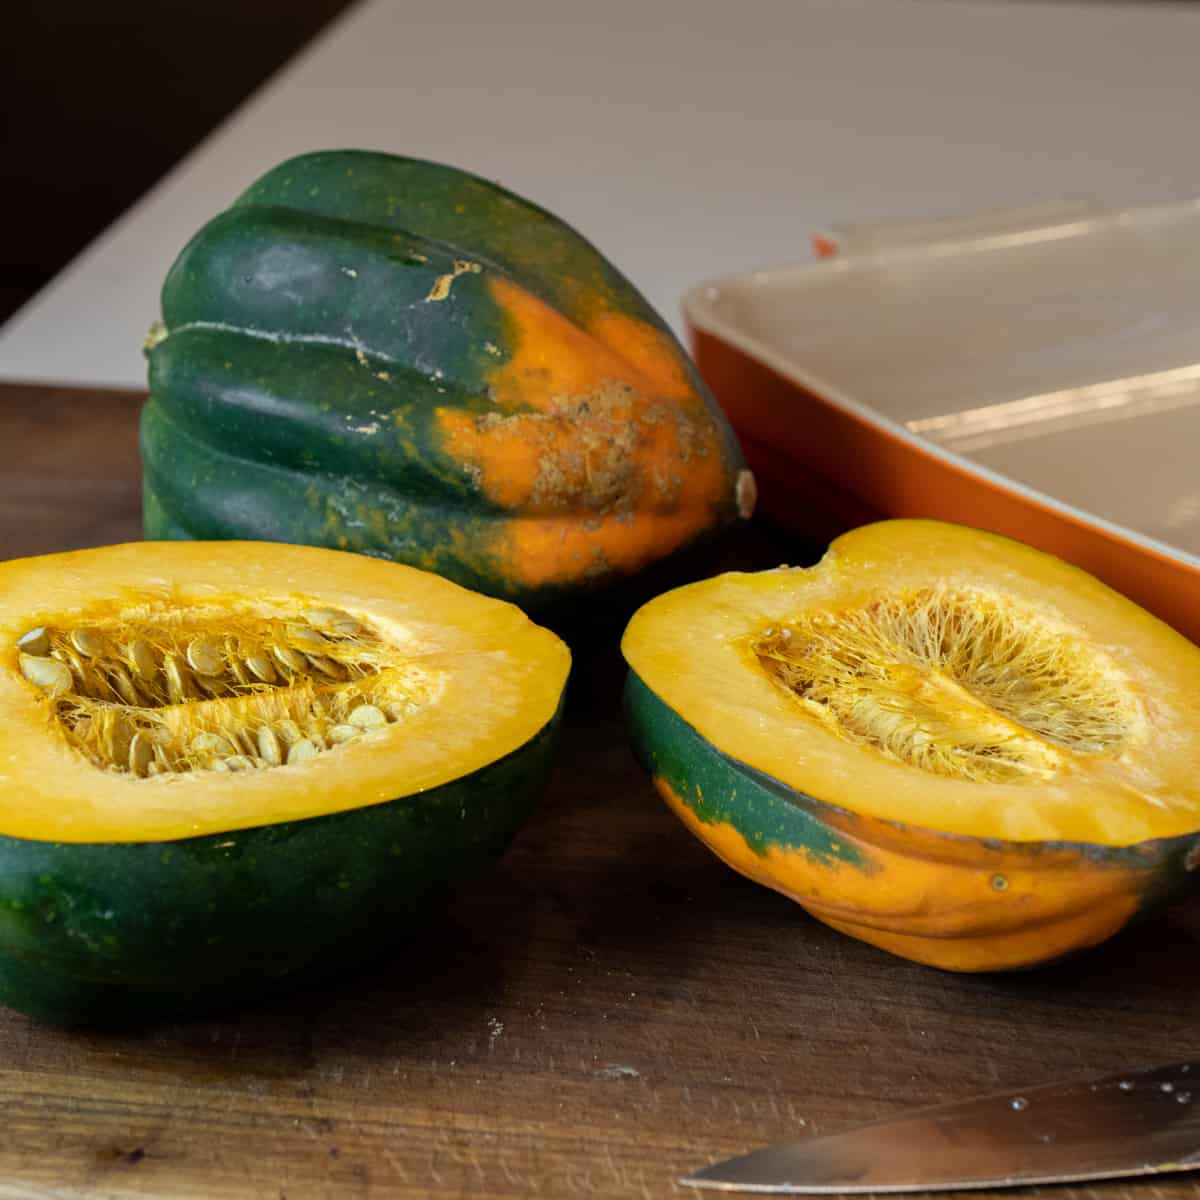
point(958, 874)
point(397, 358)
point(223, 864)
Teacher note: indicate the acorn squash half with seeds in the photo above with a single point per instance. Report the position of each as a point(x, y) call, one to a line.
point(395, 357)
point(229, 765)
point(938, 740)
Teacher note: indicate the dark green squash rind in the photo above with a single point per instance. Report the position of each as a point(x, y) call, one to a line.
point(719, 789)
point(119, 933)
point(300, 277)
point(456, 208)
point(233, 497)
point(309, 407)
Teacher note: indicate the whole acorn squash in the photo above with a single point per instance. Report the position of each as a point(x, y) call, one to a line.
point(229, 766)
point(937, 740)
point(394, 357)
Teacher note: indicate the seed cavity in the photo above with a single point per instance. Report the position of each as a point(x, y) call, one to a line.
point(173, 691)
point(961, 683)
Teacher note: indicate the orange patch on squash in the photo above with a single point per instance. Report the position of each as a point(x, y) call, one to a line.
point(647, 350)
point(597, 443)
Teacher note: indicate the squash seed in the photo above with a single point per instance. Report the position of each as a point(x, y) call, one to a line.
point(89, 643)
point(328, 667)
point(291, 660)
point(301, 752)
point(36, 641)
point(268, 746)
point(343, 733)
point(92, 684)
point(141, 754)
point(335, 621)
point(367, 716)
point(52, 676)
point(179, 679)
point(260, 666)
point(289, 731)
point(212, 685)
point(209, 743)
point(88, 680)
point(141, 655)
point(119, 735)
point(244, 742)
point(123, 685)
point(240, 762)
point(306, 637)
point(205, 657)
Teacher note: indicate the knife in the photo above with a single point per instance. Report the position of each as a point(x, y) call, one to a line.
point(1143, 1122)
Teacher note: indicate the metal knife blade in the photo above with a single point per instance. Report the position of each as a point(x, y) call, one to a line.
point(1143, 1122)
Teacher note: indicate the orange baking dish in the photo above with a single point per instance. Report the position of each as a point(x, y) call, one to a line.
point(1033, 372)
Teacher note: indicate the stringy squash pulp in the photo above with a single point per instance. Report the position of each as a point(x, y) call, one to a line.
point(948, 692)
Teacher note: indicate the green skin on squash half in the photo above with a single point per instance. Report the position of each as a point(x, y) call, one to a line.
point(244, 914)
point(233, 767)
point(397, 358)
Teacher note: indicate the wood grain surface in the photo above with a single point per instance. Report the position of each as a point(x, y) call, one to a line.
point(608, 1008)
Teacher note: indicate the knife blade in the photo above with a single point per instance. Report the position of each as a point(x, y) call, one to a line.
point(1142, 1122)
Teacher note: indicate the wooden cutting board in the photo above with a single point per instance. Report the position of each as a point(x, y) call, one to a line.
point(608, 1008)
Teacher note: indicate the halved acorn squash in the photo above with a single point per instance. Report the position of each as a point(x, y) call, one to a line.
point(228, 764)
point(938, 740)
